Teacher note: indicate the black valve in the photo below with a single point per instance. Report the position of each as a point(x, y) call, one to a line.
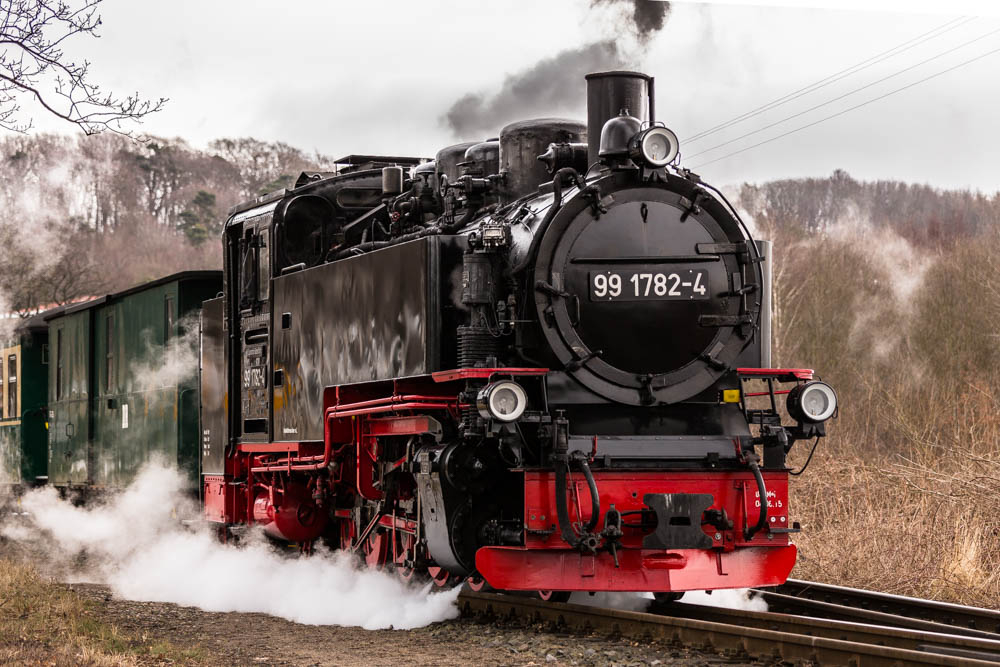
point(719, 519)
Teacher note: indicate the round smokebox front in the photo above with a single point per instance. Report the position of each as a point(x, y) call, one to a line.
point(628, 302)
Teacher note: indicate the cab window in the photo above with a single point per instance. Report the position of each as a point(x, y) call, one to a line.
point(263, 268)
point(248, 269)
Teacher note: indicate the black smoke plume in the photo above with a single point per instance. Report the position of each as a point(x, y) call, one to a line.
point(645, 17)
point(557, 82)
point(551, 83)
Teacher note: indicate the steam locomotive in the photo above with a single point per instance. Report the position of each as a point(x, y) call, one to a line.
point(527, 364)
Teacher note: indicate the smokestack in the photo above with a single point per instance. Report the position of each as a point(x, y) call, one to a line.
point(610, 92)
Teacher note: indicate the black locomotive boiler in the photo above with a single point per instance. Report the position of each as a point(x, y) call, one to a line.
point(523, 364)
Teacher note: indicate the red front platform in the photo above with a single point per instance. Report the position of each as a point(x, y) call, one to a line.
point(516, 568)
point(546, 563)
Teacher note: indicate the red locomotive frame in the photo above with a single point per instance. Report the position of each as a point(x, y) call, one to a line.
point(286, 492)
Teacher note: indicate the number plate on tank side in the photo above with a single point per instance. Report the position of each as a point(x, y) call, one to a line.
point(640, 285)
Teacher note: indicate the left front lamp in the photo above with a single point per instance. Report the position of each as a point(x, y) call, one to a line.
point(504, 401)
point(655, 146)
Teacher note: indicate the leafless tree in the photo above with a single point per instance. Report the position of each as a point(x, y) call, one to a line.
point(35, 67)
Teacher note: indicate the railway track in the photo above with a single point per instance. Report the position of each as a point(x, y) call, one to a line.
point(761, 635)
point(813, 599)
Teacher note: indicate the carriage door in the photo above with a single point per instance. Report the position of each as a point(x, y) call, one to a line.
point(255, 285)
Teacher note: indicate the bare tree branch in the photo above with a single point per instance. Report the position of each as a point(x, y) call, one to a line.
point(34, 66)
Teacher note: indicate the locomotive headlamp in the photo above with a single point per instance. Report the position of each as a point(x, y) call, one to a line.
point(655, 146)
point(812, 402)
point(504, 401)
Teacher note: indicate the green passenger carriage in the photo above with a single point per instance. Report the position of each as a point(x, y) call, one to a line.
point(123, 382)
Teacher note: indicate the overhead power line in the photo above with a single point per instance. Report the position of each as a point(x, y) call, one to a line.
point(837, 76)
point(842, 112)
point(847, 94)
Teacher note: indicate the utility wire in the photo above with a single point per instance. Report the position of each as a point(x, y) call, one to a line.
point(857, 106)
point(847, 94)
point(837, 76)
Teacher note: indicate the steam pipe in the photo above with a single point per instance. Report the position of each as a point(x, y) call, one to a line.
point(762, 491)
point(362, 248)
point(391, 404)
point(565, 528)
point(549, 215)
point(595, 499)
point(560, 459)
point(470, 213)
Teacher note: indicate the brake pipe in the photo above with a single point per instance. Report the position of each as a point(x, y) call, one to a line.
point(560, 460)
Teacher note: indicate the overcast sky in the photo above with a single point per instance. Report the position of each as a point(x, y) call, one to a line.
point(377, 76)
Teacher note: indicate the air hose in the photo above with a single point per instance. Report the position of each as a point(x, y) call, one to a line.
point(762, 492)
point(561, 461)
point(595, 500)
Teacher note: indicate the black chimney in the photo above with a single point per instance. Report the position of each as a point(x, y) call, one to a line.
point(610, 92)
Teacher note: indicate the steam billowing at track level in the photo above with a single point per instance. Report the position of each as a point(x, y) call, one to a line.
point(551, 83)
point(136, 544)
point(734, 598)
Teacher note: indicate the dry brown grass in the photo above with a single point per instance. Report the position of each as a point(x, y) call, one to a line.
point(904, 496)
point(899, 529)
point(43, 623)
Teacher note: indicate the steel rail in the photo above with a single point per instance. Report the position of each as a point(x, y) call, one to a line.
point(940, 640)
point(791, 596)
point(788, 640)
point(807, 607)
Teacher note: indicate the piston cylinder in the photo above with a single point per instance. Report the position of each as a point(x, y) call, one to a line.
point(292, 516)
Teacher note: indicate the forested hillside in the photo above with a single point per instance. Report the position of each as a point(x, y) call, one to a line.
point(85, 215)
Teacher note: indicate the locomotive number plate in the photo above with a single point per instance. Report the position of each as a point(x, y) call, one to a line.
point(683, 285)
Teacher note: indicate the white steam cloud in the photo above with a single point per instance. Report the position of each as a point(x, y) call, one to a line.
point(136, 545)
point(731, 598)
point(736, 598)
point(616, 600)
point(169, 365)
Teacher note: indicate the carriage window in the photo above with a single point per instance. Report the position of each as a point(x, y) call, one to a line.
point(168, 318)
point(59, 364)
point(109, 357)
point(12, 386)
